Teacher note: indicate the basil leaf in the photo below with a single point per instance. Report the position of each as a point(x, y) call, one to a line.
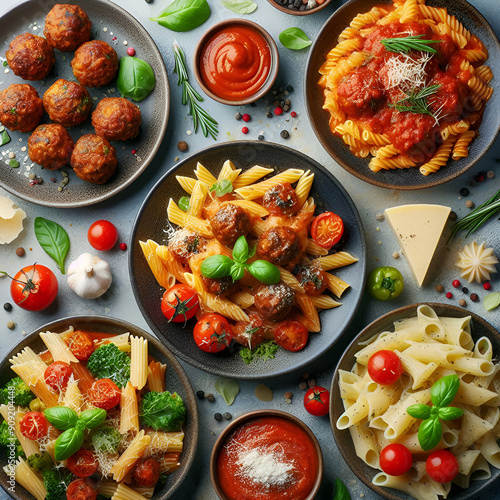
point(228, 389)
point(4, 138)
point(61, 417)
point(53, 239)
point(93, 418)
point(341, 492)
point(429, 433)
point(265, 272)
point(444, 390)
point(222, 187)
point(491, 301)
point(136, 78)
point(184, 15)
point(252, 251)
point(216, 266)
point(421, 412)
point(68, 443)
point(450, 413)
point(240, 6)
point(294, 39)
point(240, 250)
point(237, 272)
point(184, 203)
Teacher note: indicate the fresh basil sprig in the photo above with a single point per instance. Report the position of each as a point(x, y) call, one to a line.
point(442, 394)
point(184, 15)
point(294, 39)
point(136, 78)
point(340, 492)
point(225, 186)
point(53, 239)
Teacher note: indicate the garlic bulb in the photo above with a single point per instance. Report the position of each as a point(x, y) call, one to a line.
point(476, 262)
point(89, 276)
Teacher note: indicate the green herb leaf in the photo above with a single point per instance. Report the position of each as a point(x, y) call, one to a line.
point(416, 101)
point(294, 39)
point(61, 417)
point(340, 492)
point(216, 266)
point(184, 15)
point(237, 272)
point(444, 390)
point(265, 272)
point(228, 389)
point(240, 6)
point(53, 239)
point(449, 413)
point(240, 250)
point(14, 163)
point(405, 44)
point(491, 301)
point(421, 412)
point(265, 350)
point(222, 187)
point(136, 78)
point(429, 433)
point(4, 138)
point(93, 418)
point(68, 443)
point(252, 251)
point(184, 203)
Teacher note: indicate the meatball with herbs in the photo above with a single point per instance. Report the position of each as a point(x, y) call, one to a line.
point(30, 57)
point(67, 103)
point(274, 302)
point(67, 27)
point(50, 146)
point(95, 63)
point(229, 223)
point(94, 159)
point(20, 107)
point(279, 245)
point(116, 119)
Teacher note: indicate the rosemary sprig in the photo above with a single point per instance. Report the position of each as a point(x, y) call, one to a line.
point(405, 44)
point(191, 97)
point(475, 219)
point(416, 101)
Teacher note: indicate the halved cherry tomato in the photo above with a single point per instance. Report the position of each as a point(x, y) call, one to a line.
point(442, 466)
point(327, 229)
point(147, 472)
point(179, 303)
point(104, 394)
point(81, 345)
point(34, 287)
point(102, 235)
point(395, 459)
point(212, 333)
point(83, 463)
point(317, 401)
point(82, 489)
point(57, 375)
point(384, 367)
point(34, 425)
point(292, 335)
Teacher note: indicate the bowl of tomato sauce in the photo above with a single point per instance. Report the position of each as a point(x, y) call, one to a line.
point(236, 62)
point(264, 455)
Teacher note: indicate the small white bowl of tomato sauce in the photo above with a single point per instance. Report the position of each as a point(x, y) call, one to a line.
point(266, 455)
point(236, 62)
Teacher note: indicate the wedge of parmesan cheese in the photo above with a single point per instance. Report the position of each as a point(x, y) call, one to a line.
point(11, 220)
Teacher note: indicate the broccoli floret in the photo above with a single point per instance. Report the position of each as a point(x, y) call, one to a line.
point(56, 482)
point(162, 411)
point(109, 362)
point(18, 394)
point(40, 462)
point(9, 441)
point(106, 439)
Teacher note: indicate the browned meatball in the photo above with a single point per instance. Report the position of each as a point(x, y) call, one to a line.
point(281, 200)
point(279, 245)
point(50, 146)
point(220, 286)
point(274, 301)
point(116, 119)
point(185, 243)
point(20, 107)
point(67, 27)
point(30, 57)
point(229, 223)
point(94, 159)
point(67, 103)
point(95, 63)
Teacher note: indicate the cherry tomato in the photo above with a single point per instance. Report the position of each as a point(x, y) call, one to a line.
point(384, 367)
point(317, 401)
point(327, 229)
point(83, 463)
point(147, 472)
point(312, 279)
point(104, 394)
point(395, 459)
point(57, 375)
point(442, 466)
point(34, 287)
point(179, 303)
point(81, 489)
point(102, 235)
point(291, 334)
point(81, 345)
point(34, 425)
point(212, 333)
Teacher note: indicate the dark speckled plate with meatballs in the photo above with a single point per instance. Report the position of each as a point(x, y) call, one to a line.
point(69, 95)
point(328, 194)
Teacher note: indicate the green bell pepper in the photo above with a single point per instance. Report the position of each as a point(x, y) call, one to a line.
point(385, 283)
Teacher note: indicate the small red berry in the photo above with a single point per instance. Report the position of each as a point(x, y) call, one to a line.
point(245, 130)
point(278, 111)
point(455, 283)
point(486, 285)
point(131, 51)
point(474, 297)
point(246, 117)
point(123, 246)
point(449, 295)
point(134, 151)
point(480, 177)
point(293, 114)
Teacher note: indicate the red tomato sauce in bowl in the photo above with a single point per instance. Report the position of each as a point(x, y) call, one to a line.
point(268, 458)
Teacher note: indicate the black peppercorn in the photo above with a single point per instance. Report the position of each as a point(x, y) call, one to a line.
point(7, 306)
point(465, 289)
point(227, 416)
point(285, 134)
point(261, 137)
point(464, 192)
point(218, 417)
point(210, 397)
point(200, 395)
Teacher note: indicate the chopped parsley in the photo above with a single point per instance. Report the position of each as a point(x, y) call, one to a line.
point(264, 351)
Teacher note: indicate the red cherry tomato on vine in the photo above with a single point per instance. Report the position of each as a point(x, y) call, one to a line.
point(104, 394)
point(291, 334)
point(317, 401)
point(179, 303)
point(384, 367)
point(81, 345)
point(212, 333)
point(34, 425)
point(57, 375)
point(81, 489)
point(34, 287)
point(102, 235)
point(442, 466)
point(327, 229)
point(395, 459)
point(83, 463)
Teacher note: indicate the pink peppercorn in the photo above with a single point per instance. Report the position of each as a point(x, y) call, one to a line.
point(246, 117)
point(123, 246)
point(134, 151)
point(455, 283)
point(278, 111)
point(131, 51)
point(293, 114)
point(245, 130)
point(449, 295)
point(474, 297)
point(486, 285)
point(480, 177)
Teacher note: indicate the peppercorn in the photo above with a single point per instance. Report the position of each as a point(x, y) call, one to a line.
point(469, 204)
point(237, 116)
point(182, 146)
point(289, 88)
point(260, 137)
point(246, 117)
point(474, 297)
point(245, 130)
point(464, 192)
point(285, 134)
point(218, 417)
point(455, 283)
point(395, 255)
point(303, 385)
point(210, 397)
point(286, 108)
point(462, 302)
point(311, 382)
point(293, 114)
point(480, 177)
point(227, 416)
point(449, 295)
point(11, 325)
point(306, 375)
point(269, 114)
point(20, 251)
point(131, 51)
point(123, 247)
point(7, 306)
point(465, 290)
point(490, 174)
point(288, 395)
point(486, 285)
point(200, 394)
point(453, 215)
point(439, 288)
point(278, 111)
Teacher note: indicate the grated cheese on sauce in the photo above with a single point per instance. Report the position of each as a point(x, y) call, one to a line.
point(406, 72)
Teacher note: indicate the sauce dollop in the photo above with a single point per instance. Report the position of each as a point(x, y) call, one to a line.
point(267, 458)
point(235, 62)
